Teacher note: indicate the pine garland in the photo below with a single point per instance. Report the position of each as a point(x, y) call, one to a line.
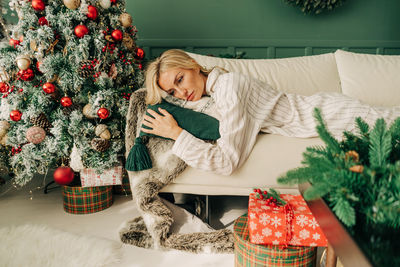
point(316, 6)
point(359, 176)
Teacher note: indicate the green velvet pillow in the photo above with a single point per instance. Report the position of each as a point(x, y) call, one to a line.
point(198, 124)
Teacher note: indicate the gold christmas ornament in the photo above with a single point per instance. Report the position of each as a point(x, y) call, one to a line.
point(106, 135)
point(4, 125)
point(33, 45)
point(72, 4)
point(23, 62)
point(3, 140)
point(125, 19)
point(88, 112)
point(105, 3)
point(128, 41)
point(102, 131)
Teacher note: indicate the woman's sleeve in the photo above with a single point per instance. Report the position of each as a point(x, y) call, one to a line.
point(237, 130)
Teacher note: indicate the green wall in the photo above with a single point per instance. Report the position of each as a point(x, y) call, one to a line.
point(265, 28)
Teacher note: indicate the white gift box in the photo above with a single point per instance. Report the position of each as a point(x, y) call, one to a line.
point(112, 176)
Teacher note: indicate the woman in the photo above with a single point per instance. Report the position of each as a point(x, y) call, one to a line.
point(244, 106)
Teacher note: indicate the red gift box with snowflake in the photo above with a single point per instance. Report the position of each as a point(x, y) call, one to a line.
point(288, 223)
point(112, 176)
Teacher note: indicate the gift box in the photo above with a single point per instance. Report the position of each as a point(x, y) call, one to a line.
point(112, 176)
point(79, 200)
point(289, 224)
point(125, 187)
point(249, 255)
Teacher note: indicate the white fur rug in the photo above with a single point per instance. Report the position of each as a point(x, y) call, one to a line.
point(38, 245)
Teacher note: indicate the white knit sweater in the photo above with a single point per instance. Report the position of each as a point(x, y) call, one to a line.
point(245, 106)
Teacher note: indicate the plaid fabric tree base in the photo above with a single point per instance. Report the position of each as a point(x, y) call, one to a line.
point(125, 187)
point(248, 254)
point(85, 200)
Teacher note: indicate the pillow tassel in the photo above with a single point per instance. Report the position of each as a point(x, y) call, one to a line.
point(138, 158)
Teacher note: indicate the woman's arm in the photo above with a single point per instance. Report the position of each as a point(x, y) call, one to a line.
point(238, 131)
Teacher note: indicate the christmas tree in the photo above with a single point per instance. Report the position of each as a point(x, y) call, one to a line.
point(66, 79)
point(359, 176)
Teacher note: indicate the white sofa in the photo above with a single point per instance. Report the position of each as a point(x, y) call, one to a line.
point(374, 79)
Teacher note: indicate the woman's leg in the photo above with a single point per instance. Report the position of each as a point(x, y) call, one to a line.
point(295, 112)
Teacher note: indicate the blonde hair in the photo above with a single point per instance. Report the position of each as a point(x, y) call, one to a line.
point(174, 58)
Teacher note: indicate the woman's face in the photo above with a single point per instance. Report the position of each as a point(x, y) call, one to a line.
point(185, 84)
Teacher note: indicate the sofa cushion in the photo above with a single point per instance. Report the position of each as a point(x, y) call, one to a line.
point(272, 156)
point(305, 75)
point(373, 79)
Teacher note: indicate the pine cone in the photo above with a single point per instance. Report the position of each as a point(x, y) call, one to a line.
point(41, 121)
point(100, 144)
point(85, 69)
point(67, 110)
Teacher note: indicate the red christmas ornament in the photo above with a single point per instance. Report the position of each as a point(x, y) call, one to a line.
point(103, 113)
point(63, 175)
point(113, 1)
point(26, 75)
point(92, 12)
point(117, 35)
point(139, 53)
point(4, 87)
point(43, 21)
point(49, 88)
point(81, 30)
point(140, 66)
point(38, 66)
point(38, 5)
point(14, 42)
point(15, 115)
point(66, 101)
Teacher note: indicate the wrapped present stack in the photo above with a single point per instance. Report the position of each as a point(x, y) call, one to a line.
point(282, 220)
point(86, 191)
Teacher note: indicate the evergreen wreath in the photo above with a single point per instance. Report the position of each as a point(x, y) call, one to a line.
point(316, 6)
point(359, 177)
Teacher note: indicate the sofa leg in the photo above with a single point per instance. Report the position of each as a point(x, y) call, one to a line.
point(208, 210)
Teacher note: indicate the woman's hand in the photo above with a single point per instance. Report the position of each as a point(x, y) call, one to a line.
point(162, 125)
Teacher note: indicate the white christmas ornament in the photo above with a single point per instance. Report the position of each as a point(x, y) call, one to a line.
point(105, 3)
point(76, 160)
point(23, 62)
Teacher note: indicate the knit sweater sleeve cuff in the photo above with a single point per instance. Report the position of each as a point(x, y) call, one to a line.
point(181, 143)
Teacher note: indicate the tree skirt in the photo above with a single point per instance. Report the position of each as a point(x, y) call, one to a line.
point(38, 245)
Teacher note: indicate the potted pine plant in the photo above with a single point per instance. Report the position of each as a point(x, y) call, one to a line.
point(359, 179)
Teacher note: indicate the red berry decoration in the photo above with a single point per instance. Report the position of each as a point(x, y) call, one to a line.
point(26, 75)
point(103, 113)
point(38, 5)
point(49, 88)
point(81, 30)
point(4, 87)
point(92, 12)
point(139, 53)
point(117, 35)
point(63, 175)
point(43, 21)
point(15, 115)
